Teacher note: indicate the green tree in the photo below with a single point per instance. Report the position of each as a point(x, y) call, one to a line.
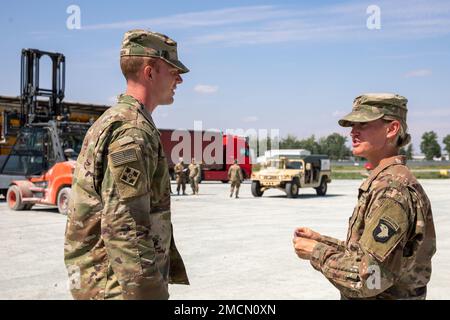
point(429, 145)
point(407, 152)
point(310, 144)
point(446, 142)
point(334, 146)
point(290, 142)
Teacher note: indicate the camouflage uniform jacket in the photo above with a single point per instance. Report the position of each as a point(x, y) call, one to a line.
point(235, 173)
point(119, 242)
point(179, 171)
point(390, 242)
point(194, 171)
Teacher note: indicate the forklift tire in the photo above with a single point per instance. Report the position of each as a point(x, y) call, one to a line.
point(63, 200)
point(14, 198)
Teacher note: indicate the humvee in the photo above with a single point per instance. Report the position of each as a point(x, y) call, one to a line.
point(290, 173)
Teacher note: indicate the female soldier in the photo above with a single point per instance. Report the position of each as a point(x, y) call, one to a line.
point(391, 237)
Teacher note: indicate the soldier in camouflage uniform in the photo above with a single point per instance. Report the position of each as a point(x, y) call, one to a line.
point(194, 176)
point(119, 242)
point(391, 237)
point(235, 176)
point(180, 176)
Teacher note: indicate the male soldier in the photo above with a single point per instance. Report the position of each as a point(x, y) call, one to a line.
point(235, 177)
point(180, 176)
point(391, 237)
point(194, 176)
point(119, 242)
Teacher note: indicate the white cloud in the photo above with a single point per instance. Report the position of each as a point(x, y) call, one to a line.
point(418, 73)
point(338, 114)
point(205, 89)
point(220, 17)
point(249, 25)
point(250, 119)
point(427, 112)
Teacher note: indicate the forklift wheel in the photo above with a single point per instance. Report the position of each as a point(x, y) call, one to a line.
point(14, 198)
point(63, 200)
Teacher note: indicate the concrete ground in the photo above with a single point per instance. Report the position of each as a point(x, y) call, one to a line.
point(232, 248)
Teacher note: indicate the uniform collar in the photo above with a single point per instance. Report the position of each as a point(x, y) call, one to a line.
point(383, 165)
point(128, 99)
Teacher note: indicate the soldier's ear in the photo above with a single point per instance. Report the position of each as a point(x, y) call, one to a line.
point(393, 129)
point(148, 72)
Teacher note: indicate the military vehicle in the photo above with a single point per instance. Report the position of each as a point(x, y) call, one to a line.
point(290, 173)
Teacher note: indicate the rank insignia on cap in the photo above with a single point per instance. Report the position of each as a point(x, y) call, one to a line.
point(130, 176)
point(384, 231)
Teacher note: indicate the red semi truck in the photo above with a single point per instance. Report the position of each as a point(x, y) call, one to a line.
point(214, 150)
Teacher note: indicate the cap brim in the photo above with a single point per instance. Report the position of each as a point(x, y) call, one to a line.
point(358, 116)
point(177, 64)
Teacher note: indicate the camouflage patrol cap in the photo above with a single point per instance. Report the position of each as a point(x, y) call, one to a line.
point(374, 106)
point(145, 43)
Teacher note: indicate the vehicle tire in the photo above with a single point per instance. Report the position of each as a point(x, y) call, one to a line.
point(224, 181)
point(62, 200)
point(256, 189)
point(322, 189)
point(291, 189)
point(14, 198)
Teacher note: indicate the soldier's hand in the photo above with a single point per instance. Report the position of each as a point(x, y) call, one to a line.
point(304, 247)
point(307, 233)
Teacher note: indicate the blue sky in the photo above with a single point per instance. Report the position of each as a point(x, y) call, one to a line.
point(289, 65)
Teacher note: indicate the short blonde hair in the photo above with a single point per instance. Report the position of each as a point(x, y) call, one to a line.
point(131, 65)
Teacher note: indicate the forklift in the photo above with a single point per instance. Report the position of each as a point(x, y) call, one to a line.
point(40, 166)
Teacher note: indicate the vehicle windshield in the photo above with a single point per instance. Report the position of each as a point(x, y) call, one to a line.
point(73, 140)
point(276, 164)
point(27, 155)
point(34, 152)
point(297, 165)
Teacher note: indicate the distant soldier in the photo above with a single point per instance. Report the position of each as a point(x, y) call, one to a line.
point(194, 176)
point(180, 173)
point(391, 237)
point(235, 176)
point(119, 240)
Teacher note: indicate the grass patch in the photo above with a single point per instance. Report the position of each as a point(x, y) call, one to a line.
point(430, 175)
point(347, 175)
point(357, 175)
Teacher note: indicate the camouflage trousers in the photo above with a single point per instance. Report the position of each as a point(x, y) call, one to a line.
point(181, 183)
point(194, 185)
point(237, 185)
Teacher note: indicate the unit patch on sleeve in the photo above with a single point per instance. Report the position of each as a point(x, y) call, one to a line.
point(130, 176)
point(384, 231)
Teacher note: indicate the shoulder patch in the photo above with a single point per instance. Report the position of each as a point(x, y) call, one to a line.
point(123, 156)
point(130, 176)
point(384, 230)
